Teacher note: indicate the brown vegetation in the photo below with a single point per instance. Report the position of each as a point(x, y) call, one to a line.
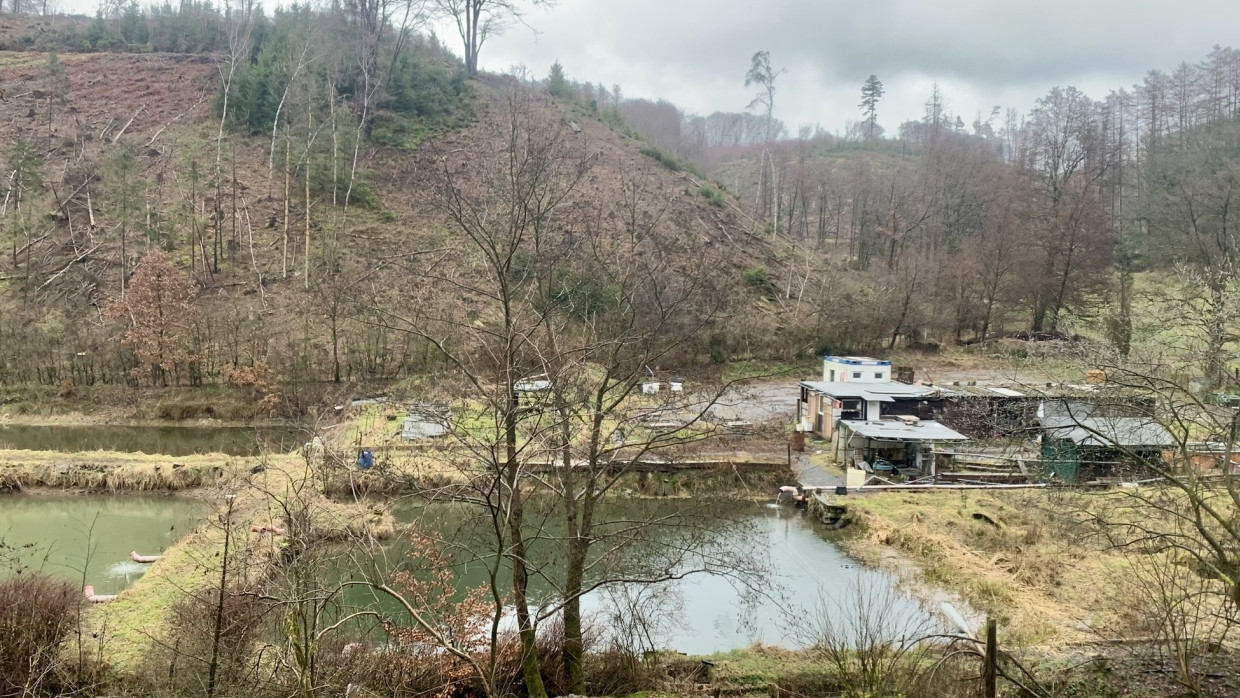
point(37, 614)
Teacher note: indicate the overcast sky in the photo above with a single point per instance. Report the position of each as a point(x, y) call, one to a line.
point(983, 53)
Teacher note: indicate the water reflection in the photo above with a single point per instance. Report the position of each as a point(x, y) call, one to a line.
point(782, 574)
point(89, 538)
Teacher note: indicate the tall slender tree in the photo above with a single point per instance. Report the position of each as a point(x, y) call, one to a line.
point(871, 91)
point(763, 75)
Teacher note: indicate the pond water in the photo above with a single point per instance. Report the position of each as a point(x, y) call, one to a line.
point(166, 440)
point(87, 539)
point(788, 577)
point(756, 573)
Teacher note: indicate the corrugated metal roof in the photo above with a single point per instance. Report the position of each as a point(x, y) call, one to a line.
point(859, 389)
point(1110, 431)
point(1005, 392)
point(894, 430)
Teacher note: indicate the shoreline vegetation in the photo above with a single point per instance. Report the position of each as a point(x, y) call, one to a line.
point(1005, 554)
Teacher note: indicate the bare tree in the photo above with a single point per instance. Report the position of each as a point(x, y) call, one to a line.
point(762, 74)
point(572, 301)
point(478, 20)
point(240, 26)
point(1188, 490)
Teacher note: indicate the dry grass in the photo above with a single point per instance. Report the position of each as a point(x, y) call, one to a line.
point(1009, 554)
point(353, 520)
point(109, 471)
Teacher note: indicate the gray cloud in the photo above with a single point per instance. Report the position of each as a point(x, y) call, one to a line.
point(695, 52)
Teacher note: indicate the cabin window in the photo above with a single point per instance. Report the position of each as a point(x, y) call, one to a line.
point(832, 375)
point(850, 409)
point(856, 374)
point(878, 375)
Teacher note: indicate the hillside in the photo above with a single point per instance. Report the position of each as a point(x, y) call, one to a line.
point(1103, 217)
point(122, 158)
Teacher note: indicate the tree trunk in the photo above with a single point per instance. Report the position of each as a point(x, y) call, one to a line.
point(217, 631)
point(1216, 330)
point(525, 627)
point(287, 194)
point(577, 547)
point(520, 573)
point(306, 172)
point(574, 644)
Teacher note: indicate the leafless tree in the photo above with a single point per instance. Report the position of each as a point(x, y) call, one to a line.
point(478, 20)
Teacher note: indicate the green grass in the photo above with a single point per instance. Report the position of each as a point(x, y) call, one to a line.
point(129, 625)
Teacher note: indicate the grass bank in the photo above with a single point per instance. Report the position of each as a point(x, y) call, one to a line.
point(104, 404)
point(110, 471)
point(1014, 555)
point(139, 619)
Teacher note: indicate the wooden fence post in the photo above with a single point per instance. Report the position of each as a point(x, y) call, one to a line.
point(990, 673)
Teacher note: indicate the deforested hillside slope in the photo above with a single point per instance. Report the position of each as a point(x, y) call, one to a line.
point(298, 248)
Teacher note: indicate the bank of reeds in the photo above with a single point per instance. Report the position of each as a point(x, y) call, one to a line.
point(722, 479)
point(108, 471)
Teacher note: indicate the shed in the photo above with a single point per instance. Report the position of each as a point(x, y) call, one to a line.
point(907, 442)
point(824, 403)
point(985, 411)
point(1085, 440)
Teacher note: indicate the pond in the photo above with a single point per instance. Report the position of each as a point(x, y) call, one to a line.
point(166, 440)
point(759, 572)
point(87, 539)
point(787, 577)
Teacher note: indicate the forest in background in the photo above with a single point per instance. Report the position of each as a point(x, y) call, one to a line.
point(1039, 222)
point(276, 172)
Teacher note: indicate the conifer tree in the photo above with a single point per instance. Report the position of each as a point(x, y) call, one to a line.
point(871, 91)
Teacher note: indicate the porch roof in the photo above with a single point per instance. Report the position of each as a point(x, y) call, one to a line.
point(922, 431)
point(871, 390)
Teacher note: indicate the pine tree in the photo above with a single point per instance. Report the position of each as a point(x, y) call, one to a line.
point(557, 84)
point(871, 91)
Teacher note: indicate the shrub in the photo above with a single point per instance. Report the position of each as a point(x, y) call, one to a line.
point(755, 276)
point(399, 131)
point(662, 158)
point(712, 195)
point(181, 663)
point(364, 195)
point(37, 614)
